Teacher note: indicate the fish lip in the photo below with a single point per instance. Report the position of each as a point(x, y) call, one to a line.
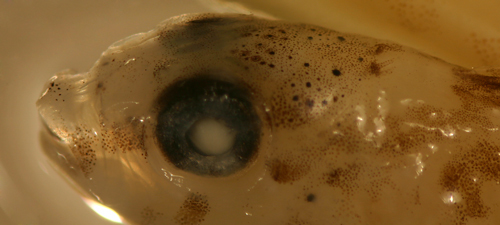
point(47, 130)
point(58, 153)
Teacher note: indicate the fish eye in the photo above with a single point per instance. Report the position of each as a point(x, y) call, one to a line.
point(207, 126)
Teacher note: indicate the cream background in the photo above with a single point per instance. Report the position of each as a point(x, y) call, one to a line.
point(38, 39)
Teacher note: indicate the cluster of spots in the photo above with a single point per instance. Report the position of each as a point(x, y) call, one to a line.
point(149, 216)
point(415, 16)
point(295, 220)
point(287, 171)
point(56, 89)
point(428, 124)
point(314, 62)
point(383, 47)
point(344, 178)
point(193, 210)
point(127, 139)
point(486, 48)
point(350, 180)
point(477, 91)
point(466, 173)
point(375, 67)
point(82, 149)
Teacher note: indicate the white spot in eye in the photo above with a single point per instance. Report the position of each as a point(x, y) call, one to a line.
point(104, 211)
point(451, 197)
point(212, 137)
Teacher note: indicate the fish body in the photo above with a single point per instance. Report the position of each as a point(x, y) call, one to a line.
point(324, 128)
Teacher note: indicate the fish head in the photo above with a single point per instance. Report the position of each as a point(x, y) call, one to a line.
point(211, 118)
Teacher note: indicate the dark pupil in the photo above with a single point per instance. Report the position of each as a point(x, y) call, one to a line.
point(186, 103)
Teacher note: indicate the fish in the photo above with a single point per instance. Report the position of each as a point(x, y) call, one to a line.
point(236, 119)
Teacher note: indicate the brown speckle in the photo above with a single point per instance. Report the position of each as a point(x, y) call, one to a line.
point(375, 68)
point(467, 173)
point(381, 48)
point(149, 216)
point(284, 172)
point(193, 210)
point(255, 58)
point(310, 103)
point(343, 178)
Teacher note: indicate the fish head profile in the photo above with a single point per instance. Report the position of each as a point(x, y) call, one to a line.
point(234, 119)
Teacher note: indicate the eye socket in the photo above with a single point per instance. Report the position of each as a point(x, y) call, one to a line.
point(208, 126)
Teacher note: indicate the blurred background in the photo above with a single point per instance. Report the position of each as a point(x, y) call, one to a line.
point(41, 38)
point(37, 40)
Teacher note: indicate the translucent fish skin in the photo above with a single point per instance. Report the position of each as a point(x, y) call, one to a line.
point(354, 130)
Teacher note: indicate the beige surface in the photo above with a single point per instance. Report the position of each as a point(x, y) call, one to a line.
point(38, 39)
point(464, 32)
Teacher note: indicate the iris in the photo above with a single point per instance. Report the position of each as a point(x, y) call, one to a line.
point(208, 126)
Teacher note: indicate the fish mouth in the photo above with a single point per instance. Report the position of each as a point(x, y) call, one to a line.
point(62, 96)
point(58, 153)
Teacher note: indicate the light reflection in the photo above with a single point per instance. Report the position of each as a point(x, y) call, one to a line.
point(104, 211)
point(176, 179)
point(420, 164)
point(433, 148)
point(451, 197)
point(448, 132)
point(129, 61)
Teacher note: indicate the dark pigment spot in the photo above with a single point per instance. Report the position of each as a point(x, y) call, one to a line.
point(255, 58)
point(375, 68)
point(310, 103)
point(310, 198)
